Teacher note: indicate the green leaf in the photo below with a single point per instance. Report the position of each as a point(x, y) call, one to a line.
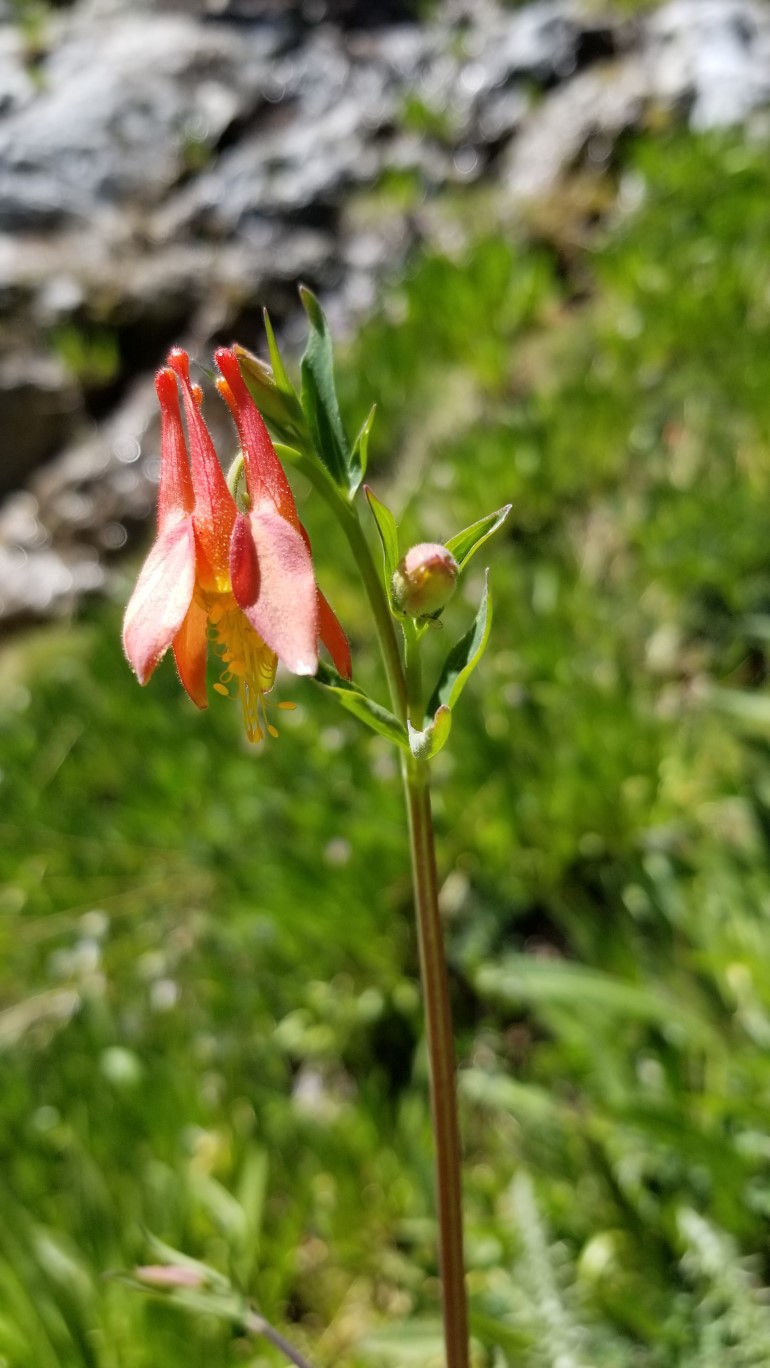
point(425, 744)
point(360, 457)
point(523, 979)
point(363, 707)
point(386, 526)
point(530, 1102)
point(750, 710)
point(250, 1194)
point(466, 543)
point(406, 1342)
point(319, 396)
point(463, 657)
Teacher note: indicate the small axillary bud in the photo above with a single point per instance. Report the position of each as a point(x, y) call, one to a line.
point(424, 580)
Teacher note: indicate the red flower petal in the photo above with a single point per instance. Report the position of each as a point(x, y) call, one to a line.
point(175, 495)
point(285, 611)
point(244, 567)
point(190, 651)
point(265, 476)
point(214, 504)
point(333, 638)
point(162, 596)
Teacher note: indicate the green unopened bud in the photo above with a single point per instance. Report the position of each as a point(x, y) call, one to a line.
point(424, 579)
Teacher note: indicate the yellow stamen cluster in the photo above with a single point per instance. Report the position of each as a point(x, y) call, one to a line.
point(250, 665)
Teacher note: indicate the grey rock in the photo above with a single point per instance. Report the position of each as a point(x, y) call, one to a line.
point(167, 166)
point(54, 535)
point(715, 54)
point(709, 58)
point(124, 101)
point(17, 87)
point(38, 403)
point(45, 583)
point(602, 101)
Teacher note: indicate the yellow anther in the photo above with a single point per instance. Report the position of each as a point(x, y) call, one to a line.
point(249, 663)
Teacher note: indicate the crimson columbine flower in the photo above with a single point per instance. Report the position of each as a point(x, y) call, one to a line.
point(243, 580)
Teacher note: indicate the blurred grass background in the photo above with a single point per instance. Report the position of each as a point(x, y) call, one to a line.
point(210, 1026)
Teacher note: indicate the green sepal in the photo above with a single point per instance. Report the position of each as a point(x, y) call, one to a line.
point(362, 707)
point(360, 455)
point(289, 454)
point(466, 543)
point(386, 526)
point(236, 482)
point(464, 656)
point(313, 471)
point(276, 360)
point(273, 392)
point(319, 396)
point(427, 743)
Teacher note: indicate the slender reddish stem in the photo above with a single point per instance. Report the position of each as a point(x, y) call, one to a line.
point(405, 686)
point(443, 1087)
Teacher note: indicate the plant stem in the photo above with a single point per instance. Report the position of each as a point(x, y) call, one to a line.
point(407, 695)
point(386, 627)
point(405, 685)
point(442, 1063)
point(414, 698)
point(257, 1325)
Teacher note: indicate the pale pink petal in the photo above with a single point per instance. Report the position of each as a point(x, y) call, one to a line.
point(279, 600)
point(163, 592)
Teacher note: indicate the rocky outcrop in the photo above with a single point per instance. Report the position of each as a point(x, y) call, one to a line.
point(166, 169)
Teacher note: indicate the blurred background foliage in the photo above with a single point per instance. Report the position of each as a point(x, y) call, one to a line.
point(211, 1027)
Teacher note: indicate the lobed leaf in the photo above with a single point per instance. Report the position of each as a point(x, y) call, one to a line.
point(466, 543)
point(361, 706)
point(463, 657)
point(427, 743)
point(276, 360)
point(319, 396)
point(360, 455)
point(386, 526)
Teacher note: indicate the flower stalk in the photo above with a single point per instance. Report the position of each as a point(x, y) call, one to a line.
point(407, 697)
point(231, 568)
point(443, 1087)
point(404, 676)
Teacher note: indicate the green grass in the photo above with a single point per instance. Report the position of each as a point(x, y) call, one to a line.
point(211, 1027)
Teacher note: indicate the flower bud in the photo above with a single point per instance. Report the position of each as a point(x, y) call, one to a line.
point(169, 1277)
point(424, 580)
